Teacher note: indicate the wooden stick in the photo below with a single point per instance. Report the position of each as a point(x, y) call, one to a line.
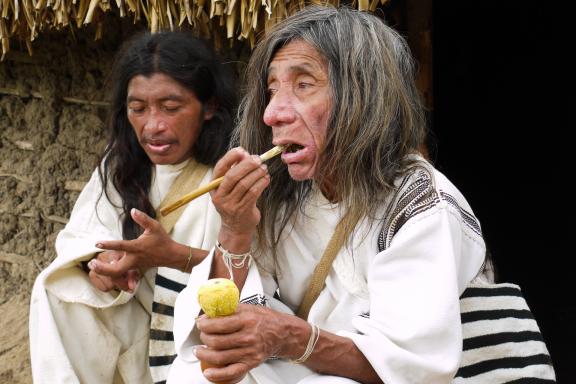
point(213, 184)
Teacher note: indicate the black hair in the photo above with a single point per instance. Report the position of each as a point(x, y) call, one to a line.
point(194, 65)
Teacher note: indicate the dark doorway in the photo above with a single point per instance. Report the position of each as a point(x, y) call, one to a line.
point(500, 138)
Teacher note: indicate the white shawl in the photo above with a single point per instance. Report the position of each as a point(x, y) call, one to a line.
point(67, 313)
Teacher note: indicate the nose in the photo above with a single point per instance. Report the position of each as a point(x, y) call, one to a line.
point(280, 109)
point(154, 122)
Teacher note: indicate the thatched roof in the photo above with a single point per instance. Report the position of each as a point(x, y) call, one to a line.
point(219, 19)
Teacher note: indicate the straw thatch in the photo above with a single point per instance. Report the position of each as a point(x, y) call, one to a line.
point(218, 19)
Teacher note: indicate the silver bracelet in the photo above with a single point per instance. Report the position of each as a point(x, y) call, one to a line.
point(314, 336)
point(234, 260)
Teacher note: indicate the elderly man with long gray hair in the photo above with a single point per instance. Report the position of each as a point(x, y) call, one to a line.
point(350, 195)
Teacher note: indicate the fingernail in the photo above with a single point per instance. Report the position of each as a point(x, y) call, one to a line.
point(92, 264)
point(196, 347)
point(98, 245)
point(134, 211)
point(263, 166)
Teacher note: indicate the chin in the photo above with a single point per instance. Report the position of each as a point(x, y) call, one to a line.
point(299, 175)
point(158, 161)
point(161, 160)
point(168, 159)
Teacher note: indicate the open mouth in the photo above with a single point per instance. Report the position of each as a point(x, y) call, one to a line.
point(293, 148)
point(158, 147)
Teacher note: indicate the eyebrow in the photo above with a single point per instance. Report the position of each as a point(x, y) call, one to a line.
point(307, 68)
point(170, 97)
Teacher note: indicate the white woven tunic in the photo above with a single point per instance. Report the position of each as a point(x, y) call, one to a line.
point(79, 334)
point(399, 306)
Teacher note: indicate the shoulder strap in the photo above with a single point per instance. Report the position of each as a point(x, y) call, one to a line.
point(321, 271)
point(187, 180)
point(323, 267)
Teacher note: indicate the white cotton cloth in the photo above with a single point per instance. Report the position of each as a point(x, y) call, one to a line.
point(79, 334)
point(399, 306)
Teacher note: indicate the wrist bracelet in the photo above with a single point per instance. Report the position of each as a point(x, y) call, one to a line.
point(234, 260)
point(314, 336)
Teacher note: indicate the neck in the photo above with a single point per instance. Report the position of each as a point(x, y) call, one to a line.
point(329, 191)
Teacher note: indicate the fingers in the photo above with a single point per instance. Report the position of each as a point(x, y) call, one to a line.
point(116, 245)
point(219, 325)
point(242, 171)
point(232, 373)
point(121, 283)
point(142, 219)
point(220, 358)
point(233, 344)
point(224, 366)
point(128, 282)
point(102, 283)
point(132, 279)
point(232, 157)
point(242, 177)
point(242, 329)
point(254, 191)
point(114, 268)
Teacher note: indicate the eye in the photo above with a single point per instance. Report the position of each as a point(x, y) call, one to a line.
point(171, 108)
point(304, 83)
point(136, 108)
point(271, 91)
point(272, 86)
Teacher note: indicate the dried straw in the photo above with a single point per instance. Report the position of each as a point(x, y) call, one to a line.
point(220, 20)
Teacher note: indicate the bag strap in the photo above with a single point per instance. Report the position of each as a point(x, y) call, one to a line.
point(186, 181)
point(321, 271)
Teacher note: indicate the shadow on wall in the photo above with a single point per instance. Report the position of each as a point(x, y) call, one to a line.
point(495, 121)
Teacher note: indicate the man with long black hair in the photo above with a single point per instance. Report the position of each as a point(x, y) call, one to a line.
point(102, 311)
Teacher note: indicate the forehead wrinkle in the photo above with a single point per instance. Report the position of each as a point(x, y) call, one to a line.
point(297, 57)
point(306, 68)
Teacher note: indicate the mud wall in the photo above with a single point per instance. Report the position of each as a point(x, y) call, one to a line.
point(51, 133)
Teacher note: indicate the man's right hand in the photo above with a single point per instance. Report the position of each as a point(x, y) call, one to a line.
point(126, 282)
point(245, 178)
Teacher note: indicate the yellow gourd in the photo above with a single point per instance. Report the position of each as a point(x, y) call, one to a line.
point(218, 297)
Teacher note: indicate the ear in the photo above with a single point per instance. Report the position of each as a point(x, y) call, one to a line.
point(210, 109)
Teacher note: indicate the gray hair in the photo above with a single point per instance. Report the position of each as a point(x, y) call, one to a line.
point(376, 121)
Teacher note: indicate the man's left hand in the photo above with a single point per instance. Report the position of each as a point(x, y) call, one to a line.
point(150, 249)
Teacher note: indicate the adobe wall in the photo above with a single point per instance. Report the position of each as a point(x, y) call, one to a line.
point(51, 134)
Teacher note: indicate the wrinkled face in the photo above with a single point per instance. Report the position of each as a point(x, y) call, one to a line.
point(299, 106)
point(166, 117)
